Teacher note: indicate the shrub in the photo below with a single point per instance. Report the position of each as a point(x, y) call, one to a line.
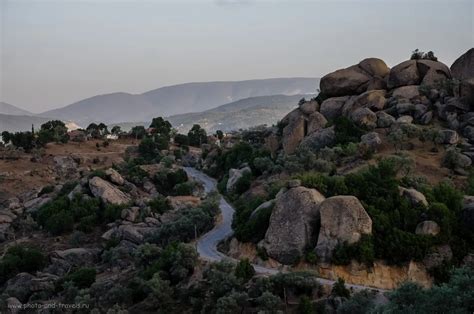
point(18, 259)
point(346, 131)
point(113, 212)
point(175, 263)
point(244, 270)
point(82, 278)
point(185, 188)
point(339, 289)
point(243, 183)
point(60, 223)
point(159, 205)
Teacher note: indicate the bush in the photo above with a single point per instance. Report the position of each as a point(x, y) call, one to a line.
point(113, 212)
point(185, 188)
point(82, 278)
point(346, 131)
point(175, 263)
point(18, 259)
point(159, 205)
point(244, 270)
point(60, 223)
point(243, 183)
point(339, 289)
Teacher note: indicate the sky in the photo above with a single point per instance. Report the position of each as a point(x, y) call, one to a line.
point(53, 53)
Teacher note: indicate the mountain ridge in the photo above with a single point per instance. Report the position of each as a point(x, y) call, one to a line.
point(175, 99)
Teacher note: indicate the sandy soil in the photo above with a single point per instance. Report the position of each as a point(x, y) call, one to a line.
point(18, 176)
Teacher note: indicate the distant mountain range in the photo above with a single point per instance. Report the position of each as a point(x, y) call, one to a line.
point(10, 109)
point(174, 101)
point(240, 114)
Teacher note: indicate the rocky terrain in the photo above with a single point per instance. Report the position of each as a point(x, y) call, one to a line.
point(343, 172)
point(368, 183)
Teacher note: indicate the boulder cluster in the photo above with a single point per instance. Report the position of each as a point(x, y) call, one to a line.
point(303, 219)
point(374, 96)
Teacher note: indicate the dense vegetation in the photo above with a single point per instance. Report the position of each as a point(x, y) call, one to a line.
point(394, 218)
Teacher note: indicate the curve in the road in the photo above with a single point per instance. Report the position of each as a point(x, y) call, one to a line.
point(207, 243)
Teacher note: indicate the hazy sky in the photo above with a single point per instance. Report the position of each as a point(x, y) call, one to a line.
point(54, 53)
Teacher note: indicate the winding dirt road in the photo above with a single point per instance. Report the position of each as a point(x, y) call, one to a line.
point(207, 243)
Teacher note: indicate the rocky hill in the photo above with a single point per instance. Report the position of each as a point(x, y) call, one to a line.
point(241, 114)
point(346, 170)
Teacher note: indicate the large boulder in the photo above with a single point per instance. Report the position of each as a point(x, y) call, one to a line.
point(407, 92)
point(319, 139)
point(415, 197)
point(418, 72)
point(292, 224)
point(107, 192)
point(427, 227)
point(364, 117)
point(331, 108)
point(463, 67)
point(433, 72)
point(355, 79)
point(114, 176)
point(316, 121)
point(293, 133)
point(234, 176)
point(343, 219)
point(371, 139)
point(384, 120)
point(403, 74)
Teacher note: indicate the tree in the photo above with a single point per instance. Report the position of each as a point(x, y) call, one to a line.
point(6, 136)
point(244, 270)
point(116, 130)
point(181, 139)
point(161, 126)
point(138, 131)
point(103, 129)
point(148, 149)
point(220, 134)
point(54, 130)
point(93, 130)
point(197, 136)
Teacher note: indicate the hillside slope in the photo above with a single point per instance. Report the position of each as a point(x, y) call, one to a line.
point(177, 99)
point(240, 114)
point(10, 109)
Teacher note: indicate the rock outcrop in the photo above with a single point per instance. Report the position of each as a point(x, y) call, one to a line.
point(292, 224)
point(107, 192)
point(234, 176)
point(114, 176)
point(463, 67)
point(427, 227)
point(343, 219)
point(415, 197)
point(356, 79)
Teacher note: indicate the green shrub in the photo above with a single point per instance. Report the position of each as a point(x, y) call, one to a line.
point(346, 131)
point(18, 259)
point(175, 263)
point(87, 223)
point(159, 205)
point(82, 278)
point(185, 188)
point(112, 212)
point(339, 289)
point(60, 223)
point(244, 270)
point(243, 183)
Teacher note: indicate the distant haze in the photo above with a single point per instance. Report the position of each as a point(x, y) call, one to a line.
point(58, 52)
